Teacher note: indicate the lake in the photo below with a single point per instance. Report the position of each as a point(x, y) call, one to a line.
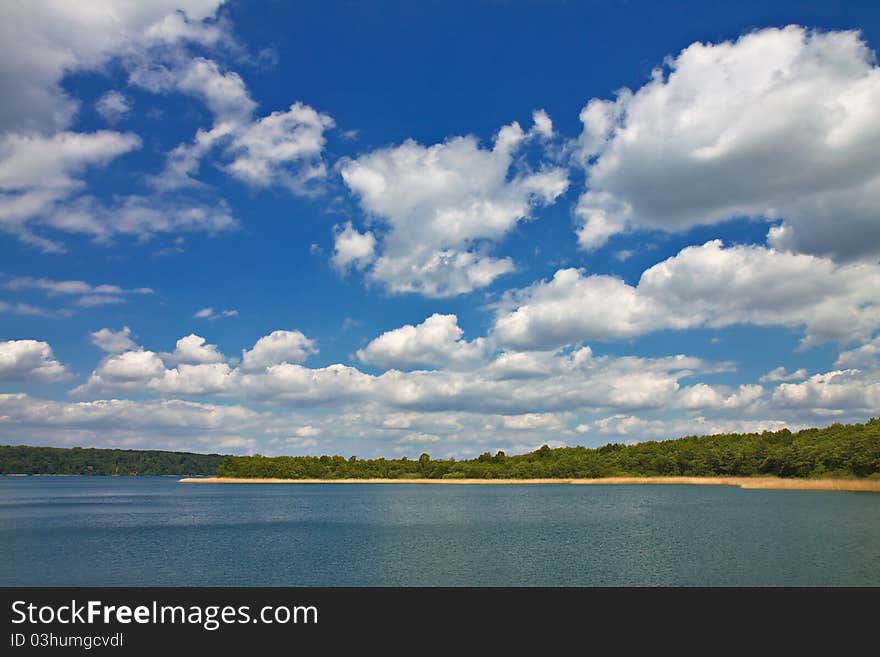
point(154, 531)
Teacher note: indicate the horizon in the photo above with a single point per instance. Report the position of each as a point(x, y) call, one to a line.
point(404, 457)
point(467, 228)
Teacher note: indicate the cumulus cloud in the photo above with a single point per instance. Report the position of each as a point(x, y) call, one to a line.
point(543, 125)
point(352, 248)
point(277, 348)
point(224, 92)
point(782, 124)
point(436, 342)
point(702, 397)
point(866, 356)
point(37, 171)
point(30, 361)
point(510, 403)
point(45, 40)
point(832, 393)
point(145, 424)
point(636, 428)
point(266, 149)
point(271, 372)
point(194, 350)
point(129, 367)
point(46, 200)
point(41, 160)
point(530, 421)
point(36, 162)
point(709, 285)
point(113, 342)
point(113, 106)
point(283, 148)
point(141, 370)
point(446, 205)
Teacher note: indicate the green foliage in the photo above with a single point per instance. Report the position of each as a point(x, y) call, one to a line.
point(79, 461)
point(851, 450)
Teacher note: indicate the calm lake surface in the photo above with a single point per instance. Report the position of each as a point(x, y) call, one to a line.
point(154, 531)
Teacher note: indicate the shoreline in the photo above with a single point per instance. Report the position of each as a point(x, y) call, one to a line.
point(763, 483)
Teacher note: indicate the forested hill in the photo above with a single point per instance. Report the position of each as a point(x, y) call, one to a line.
point(851, 450)
point(77, 460)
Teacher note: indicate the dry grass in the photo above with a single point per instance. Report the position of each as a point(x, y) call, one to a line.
point(868, 485)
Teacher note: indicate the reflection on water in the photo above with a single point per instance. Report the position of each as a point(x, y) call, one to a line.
point(143, 531)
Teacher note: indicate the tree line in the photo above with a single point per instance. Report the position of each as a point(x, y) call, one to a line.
point(836, 451)
point(22, 459)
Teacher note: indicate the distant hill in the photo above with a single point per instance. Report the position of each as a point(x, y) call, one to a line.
point(22, 459)
point(837, 451)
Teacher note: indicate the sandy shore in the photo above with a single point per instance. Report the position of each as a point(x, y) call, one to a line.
point(871, 485)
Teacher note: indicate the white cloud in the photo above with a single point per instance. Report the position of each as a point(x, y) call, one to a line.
point(276, 348)
point(283, 148)
point(113, 342)
point(224, 93)
point(141, 217)
point(208, 313)
point(832, 392)
point(194, 350)
point(271, 372)
point(132, 215)
point(146, 424)
point(782, 124)
point(266, 150)
point(701, 396)
point(510, 404)
point(88, 295)
point(130, 367)
point(195, 379)
point(113, 106)
point(30, 361)
point(574, 383)
point(70, 287)
point(530, 421)
point(36, 172)
point(866, 356)
point(543, 126)
point(707, 285)
point(19, 308)
point(91, 300)
point(176, 27)
point(35, 162)
point(44, 40)
point(41, 161)
point(637, 429)
point(445, 206)
point(436, 342)
point(352, 248)
point(779, 374)
point(141, 370)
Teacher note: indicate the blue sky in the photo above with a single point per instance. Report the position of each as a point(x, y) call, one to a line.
point(388, 228)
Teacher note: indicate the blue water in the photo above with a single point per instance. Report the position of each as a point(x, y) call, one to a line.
point(154, 531)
